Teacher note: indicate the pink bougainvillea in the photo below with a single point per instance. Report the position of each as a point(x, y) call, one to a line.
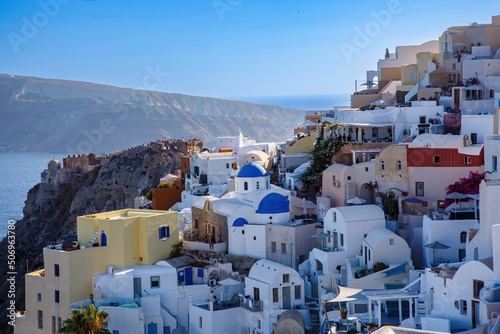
point(466, 185)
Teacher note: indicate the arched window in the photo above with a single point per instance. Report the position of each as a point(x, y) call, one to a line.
point(245, 186)
point(382, 165)
point(463, 237)
point(476, 254)
point(257, 185)
point(400, 165)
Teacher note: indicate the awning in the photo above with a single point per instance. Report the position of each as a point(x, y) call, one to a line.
point(321, 235)
point(401, 269)
point(371, 125)
point(348, 295)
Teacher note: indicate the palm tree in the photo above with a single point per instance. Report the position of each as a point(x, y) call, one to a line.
point(86, 321)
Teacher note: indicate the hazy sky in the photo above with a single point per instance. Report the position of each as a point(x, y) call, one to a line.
point(220, 48)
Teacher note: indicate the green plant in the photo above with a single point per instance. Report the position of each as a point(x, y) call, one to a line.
point(338, 268)
point(149, 195)
point(176, 251)
point(164, 185)
point(353, 330)
point(342, 309)
point(88, 321)
point(378, 266)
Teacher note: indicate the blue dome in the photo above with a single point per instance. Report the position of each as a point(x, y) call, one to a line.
point(274, 203)
point(252, 170)
point(240, 222)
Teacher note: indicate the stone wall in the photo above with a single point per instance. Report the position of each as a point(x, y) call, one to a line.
point(206, 221)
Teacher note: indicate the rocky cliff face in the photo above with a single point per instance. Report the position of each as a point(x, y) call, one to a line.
point(49, 220)
point(78, 117)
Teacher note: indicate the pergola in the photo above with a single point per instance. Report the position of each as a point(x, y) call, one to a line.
point(366, 150)
point(379, 296)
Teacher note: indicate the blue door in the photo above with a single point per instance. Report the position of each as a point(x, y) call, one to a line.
point(152, 329)
point(180, 276)
point(189, 275)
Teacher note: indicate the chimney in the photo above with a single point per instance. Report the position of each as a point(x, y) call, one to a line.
point(110, 270)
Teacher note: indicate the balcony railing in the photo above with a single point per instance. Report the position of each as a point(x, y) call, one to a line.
point(251, 305)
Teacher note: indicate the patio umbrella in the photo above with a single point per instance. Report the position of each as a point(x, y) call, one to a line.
point(456, 196)
point(321, 235)
point(434, 246)
point(356, 200)
point(459, 44)
point(306, 123)
point(414, 201)
point(370, 84)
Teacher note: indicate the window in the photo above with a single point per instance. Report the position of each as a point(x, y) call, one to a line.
point(201, 322)
point(333, 178)
point(413, 76)
point(334, 216)
point(467, 160)
point(399, 165)
point(227, 166)
point(39, 297)
point(254, 237)
point(298, 292)
point(437, 159)
point(275, 295)
point(283, 248)
point(463, 307)
point(164, 232)
point(382, 165)
point(494, 164)
point(258, 323)
point(256, 294)
point(341, 239)
point(461, 255)
point(286, 278)
point(419, 188)
point(53, 324)
point(273, 247)
point(245, 186)
point(242, 231)
point(116, 332)
point(453, 67)
point(40, 319)
point(56, 270)
point(59, 323)
point(57, 296)
point(477, 285)
point(374, 132)
point(422, 119)
point(155, 282)
point(391, 241)
point(348, 178)
point(463, 237)
point(366, 169)
point(257, 185)
point(369, 255)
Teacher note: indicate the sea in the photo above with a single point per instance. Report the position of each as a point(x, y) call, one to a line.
point(19, 172)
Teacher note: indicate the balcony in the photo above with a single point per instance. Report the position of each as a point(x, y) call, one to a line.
point(251, 305)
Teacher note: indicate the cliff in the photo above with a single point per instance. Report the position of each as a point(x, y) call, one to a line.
point(50, 219)
point(48, 115)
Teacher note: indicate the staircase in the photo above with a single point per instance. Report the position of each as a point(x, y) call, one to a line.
point(420, 312)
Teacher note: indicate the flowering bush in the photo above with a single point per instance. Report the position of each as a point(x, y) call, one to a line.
point(466, 185)
point(371, 185)
point(470, 82)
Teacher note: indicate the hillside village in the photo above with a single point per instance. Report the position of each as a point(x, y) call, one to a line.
point(376, 217)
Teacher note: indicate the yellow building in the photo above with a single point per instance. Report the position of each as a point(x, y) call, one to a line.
point(119, 238)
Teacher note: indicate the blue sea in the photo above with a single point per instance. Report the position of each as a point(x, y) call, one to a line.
point(19, 172)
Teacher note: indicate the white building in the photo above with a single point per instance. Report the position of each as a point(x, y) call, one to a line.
point(145, 298)
point(271, 290)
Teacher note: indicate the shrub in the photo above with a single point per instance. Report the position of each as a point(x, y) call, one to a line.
point(164, 185)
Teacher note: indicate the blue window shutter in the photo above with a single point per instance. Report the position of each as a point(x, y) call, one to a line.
point(200, 272)
point(160, 233)
point(168, 231)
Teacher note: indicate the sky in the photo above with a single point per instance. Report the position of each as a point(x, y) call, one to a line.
point(220, 48)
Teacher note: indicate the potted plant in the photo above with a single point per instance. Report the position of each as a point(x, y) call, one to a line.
point(343, 312)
